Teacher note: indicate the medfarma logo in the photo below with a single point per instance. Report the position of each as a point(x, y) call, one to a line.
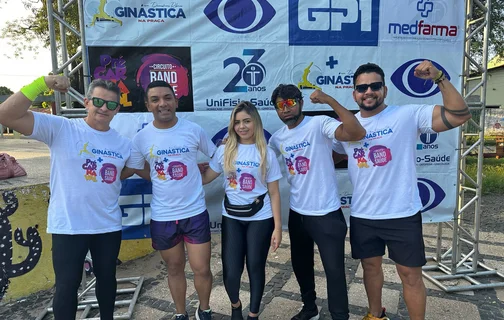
point(422, 28)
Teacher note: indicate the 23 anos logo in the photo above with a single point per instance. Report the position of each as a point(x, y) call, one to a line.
point(239, 16)
point(252, 72)
point(404, 79)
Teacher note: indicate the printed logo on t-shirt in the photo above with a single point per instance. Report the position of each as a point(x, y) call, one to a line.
point(231, 178)
point(89, 151)
point(177, 170)
point(159, 167)
point(378, 134)
point(380, 155)
point(360, 155)
point(247, 182)
point(155, 152)
point(108, 171)
point(296, 165)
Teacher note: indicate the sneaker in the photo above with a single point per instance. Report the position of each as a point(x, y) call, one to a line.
point(383, 316)
point(307, 314)
point(182, 316)
point(236, 313)
point(203, 315)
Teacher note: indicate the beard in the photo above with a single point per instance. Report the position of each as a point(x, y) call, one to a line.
point(292, 121)
point(378, 103)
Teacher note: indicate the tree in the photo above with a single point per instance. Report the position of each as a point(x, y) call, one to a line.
point(496, 34)
point(4, 91)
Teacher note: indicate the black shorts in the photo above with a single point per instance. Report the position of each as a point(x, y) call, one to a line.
point(403, 238)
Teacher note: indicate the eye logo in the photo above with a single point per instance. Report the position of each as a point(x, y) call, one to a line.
point(404, 79)
point(239, 16)
point(428, 138)
point(431, 194)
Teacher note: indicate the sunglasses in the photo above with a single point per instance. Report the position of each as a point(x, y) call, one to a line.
point(375, 86)
point(287, 103)
point(111, 105)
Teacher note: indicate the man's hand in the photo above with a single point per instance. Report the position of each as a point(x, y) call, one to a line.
point(57, 83)
point(426, 70)
point(319, 96)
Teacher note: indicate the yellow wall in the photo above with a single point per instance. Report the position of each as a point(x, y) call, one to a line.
point(32, 211)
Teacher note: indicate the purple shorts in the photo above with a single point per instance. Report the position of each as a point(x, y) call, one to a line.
point(167, 234)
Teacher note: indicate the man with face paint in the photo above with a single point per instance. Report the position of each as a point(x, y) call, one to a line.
point(305, 146)
point(386, 204)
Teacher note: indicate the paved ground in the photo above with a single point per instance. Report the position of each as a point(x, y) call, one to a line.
point(281, 298)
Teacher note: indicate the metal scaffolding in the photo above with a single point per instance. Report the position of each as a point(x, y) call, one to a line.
point(458, 267)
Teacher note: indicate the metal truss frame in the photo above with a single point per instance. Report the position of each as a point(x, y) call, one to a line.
point(458, 267)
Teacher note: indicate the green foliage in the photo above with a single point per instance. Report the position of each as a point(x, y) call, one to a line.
point(496, 34)
point(22, 32)
point(493, 174)
point(5, 91)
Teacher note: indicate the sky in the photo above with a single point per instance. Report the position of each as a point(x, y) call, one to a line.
point(15, 73)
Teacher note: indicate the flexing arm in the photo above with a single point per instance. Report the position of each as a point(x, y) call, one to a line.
point(274, 193)
point(454, 111)
point(350, 128)
point(14, 111)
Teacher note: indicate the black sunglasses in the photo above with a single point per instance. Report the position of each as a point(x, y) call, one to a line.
point(375, 86)
point(111, 105)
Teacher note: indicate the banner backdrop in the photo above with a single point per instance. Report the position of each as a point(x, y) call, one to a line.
point(220, 52)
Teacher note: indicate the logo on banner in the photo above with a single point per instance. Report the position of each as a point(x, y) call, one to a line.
point(426, 24)
point(107, 13)
point(164, 67)
point(404, 80)
point(428, 140)
point(114, 69)
point(251, 72)
point(431, 194)
point(239, 16)
point(223, 133)
point(310, 76)
point(333, 23)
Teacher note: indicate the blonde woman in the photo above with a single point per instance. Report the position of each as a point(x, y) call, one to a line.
point(251, 220)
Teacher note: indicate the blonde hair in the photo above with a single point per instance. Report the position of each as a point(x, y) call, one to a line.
point(231, 148)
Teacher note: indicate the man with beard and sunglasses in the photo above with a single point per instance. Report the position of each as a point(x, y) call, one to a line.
point(386, 204)
point(87, 157)
point(315, 216)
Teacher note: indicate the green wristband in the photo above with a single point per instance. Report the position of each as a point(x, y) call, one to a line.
point(35, 88)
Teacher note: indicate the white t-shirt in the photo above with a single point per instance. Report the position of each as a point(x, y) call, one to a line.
point(85, 183)
point(307, 154)
point(382, 165)
point(177, 190)
point(246, 184)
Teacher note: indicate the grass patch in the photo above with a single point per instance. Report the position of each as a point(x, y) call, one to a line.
point(493, 174)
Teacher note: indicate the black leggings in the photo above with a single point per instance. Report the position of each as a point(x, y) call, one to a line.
point(250, 239)
point(69, 252)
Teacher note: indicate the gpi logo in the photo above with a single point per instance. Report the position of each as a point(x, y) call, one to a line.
point(251, 72)
point(239, 16)
point(334, 23)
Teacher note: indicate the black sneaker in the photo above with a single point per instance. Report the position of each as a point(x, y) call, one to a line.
point(182, 316)
point(203, 315)
point(236, 313)
point(307, 314)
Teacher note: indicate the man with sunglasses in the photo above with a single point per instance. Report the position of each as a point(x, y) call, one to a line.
point(315, 215)
point(87, 157)
point(179, 217)
point(386, 204)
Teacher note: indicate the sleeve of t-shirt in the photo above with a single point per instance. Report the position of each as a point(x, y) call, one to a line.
point(329, 126)
point(423, 117)
point(273, 172)
point(272, 144)
point(206, 145)
point(136, 160)
point(216, 161)
point(337, 146)
point(46, 127)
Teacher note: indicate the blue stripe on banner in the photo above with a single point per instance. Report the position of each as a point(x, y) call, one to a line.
point(134, 201)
